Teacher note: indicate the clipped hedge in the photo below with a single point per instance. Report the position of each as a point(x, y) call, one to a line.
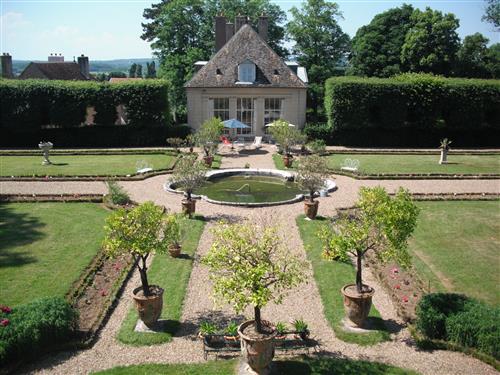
point(34, 328)
point(461, 320)
point(31, 104)
point(412, 104)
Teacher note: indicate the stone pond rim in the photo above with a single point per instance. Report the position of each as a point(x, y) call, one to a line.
point(284, 175)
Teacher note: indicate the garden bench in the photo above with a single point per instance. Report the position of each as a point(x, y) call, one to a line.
point(350, 165)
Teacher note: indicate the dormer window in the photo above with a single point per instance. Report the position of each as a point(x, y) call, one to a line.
point(246, 72)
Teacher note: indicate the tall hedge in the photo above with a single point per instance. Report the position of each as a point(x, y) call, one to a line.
point(31, 104)
point(412, 103)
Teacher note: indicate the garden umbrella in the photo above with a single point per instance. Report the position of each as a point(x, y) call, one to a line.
point(234, 124)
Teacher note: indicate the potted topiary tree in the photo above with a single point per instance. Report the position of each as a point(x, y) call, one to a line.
point(286, 136)
point(445, 147)
point(189, 174)
point(175, 142)
point(139, 232)
point(208, 137)
point(312, 172)
point(249, 266)
point(382, 225)
point(173, 234)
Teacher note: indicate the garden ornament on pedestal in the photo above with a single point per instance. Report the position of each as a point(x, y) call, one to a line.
point(381, 224)
point(250, 266)
point(312, 172)
point(45, 147)
point(445, 147)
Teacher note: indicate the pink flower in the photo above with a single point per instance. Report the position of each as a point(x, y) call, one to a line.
point(5, 309)
point(394, 270)
point(4, 322)
point(103, 292)
point(405, 299)
point(397, 286)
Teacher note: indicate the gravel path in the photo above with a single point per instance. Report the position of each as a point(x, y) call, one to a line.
point(304, 301)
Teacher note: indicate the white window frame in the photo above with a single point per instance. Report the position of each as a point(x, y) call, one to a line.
point(273, 109)
point(245, 112)
point(246, 72)
point(220, 109)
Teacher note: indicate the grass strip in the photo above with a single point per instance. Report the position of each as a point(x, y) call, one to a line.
point(172, 274)
point(330, 277)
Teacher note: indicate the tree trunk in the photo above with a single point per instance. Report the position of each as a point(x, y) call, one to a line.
point(144, 277)
point(311, 196)
point(258, 321)
point(359, 281)
point(188, 193)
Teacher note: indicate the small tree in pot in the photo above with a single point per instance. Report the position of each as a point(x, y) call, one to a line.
point(249, 266)
point(175, 142)
point(444, 147)
point(312, 172)
point(189, 174)
point(174, 234)
point(208, 137)
point(139, 232)
point(383, 225)
point(286, 136)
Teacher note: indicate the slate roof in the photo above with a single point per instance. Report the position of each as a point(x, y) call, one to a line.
point(53, 70)
point(246, 44)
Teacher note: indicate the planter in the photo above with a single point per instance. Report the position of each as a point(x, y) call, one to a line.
point(174, 250)
point(287, 160)
point(257, 353)
point(444, 157)
point(208, 160)
point(311, 209)
point(188, 206)
point(232, 341)
point(149, 308)
point(357, 305)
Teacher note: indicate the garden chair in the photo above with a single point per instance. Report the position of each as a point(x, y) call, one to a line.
point(257, 143)
point(350, 165)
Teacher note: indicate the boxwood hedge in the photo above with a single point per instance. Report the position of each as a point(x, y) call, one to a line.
point(412, 104)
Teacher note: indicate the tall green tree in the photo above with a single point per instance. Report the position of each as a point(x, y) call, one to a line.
point(320, 43)
point(493, 60)
point(132, 70)
point(151, 70)
point(376, 47)
point(138, 71)
point(492, 13)
point(472, 57)
point(432, 43)
point(182, 32)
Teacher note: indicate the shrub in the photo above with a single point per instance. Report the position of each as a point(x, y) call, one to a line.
point(318, 130)
point(117, 194)
point(318, 146)
point(35, 328)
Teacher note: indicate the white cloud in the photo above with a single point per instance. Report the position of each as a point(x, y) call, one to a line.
point(13, 21)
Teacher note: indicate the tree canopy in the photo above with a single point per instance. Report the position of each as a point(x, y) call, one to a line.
point(472, 57)
point(492, 13)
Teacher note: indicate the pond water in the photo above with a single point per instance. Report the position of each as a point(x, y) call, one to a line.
point(249, 189)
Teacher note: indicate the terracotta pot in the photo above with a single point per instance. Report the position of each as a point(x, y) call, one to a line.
point(311, 209)
point(208, 160)
point(188, 206)
point(287, 160)
point(149, 308)
point(174, 250)
point(357, 306)
point(257, 353)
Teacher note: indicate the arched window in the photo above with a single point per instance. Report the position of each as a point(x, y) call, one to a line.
point(246, 71)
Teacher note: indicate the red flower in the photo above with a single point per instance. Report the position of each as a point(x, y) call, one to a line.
point(4, 322)
point(405, 299)
point(103, 292)
point(397, 286)
point(5, 309)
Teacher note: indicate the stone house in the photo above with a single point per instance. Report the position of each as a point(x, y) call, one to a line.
point(246, 80)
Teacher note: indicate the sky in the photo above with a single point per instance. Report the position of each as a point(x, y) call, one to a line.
point(111, 29)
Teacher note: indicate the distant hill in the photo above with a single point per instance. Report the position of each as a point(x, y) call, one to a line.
point(96, 66)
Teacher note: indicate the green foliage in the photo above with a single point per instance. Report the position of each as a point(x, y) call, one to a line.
point(208, 328)
point(419, 102)
point(231, 329)
point(250, 266)
point(287, 136)
point(300, 325)
point(175, 142)
point(174, 229)
point(312, 172)
point(208, 135)
point(280, 328)
point(189, 174)
point(320, 43)
point(31, 104)
point(117, 194)
point(431, 43)
point(35, 327)
point(151, 70)
point(461, 320)
point(376, 48)
point(473, 57)
point(492, 13)
point(132, 71)
point(317, 146)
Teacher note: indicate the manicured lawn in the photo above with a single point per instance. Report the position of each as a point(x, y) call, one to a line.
point(172, 274)
point(44, 247)
point(458, 164)
point(83, 165)
point(322, 366)
point(456, 246)
point(330, 277)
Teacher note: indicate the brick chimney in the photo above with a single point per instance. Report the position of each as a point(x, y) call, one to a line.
point(239, 22)
point(83, 62)
point(263, 26)
point(229, 30)
point(7, 66)
point(220, 32)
